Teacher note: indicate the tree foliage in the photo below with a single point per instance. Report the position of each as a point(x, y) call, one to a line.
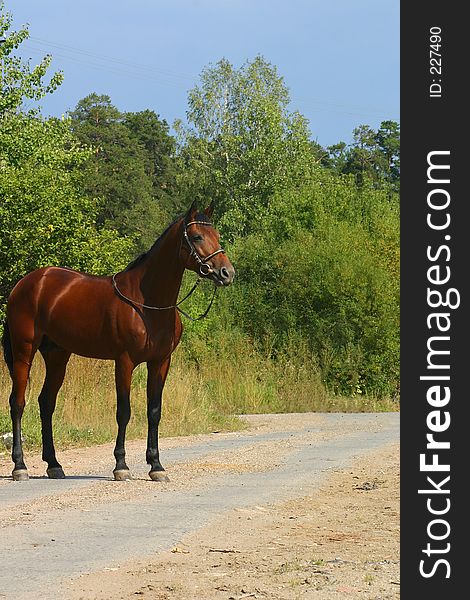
point(130, 169)
point(45, 218)
point(242, 143)
point(326, 269)
point(373, 155)
point(18, 80)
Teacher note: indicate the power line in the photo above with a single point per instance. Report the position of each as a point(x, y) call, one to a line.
point(106, 58)
point(333, 106)
point(116, 70)
point(134, 70)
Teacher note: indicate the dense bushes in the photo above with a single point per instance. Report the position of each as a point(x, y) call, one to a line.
point(324, 269)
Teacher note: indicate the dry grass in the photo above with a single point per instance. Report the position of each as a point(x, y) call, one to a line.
point(86, 405)
point(202, 394)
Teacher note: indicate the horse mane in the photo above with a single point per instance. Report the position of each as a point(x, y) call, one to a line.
point(137, 261)
point(142, 257)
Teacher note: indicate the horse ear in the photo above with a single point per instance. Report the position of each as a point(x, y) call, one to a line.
point(192, 210)
point(209, 210)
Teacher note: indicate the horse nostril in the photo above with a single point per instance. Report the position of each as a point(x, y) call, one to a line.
point(226, 275)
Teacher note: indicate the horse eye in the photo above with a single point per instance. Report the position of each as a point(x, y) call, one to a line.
point(197, 238)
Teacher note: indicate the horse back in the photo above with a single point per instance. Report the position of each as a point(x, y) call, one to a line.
point(72, 309)
point(82, 314)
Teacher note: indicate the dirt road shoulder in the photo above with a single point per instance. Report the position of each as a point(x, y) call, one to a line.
point(342, 541)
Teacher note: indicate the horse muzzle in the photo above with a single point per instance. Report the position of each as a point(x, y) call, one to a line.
point(222, 276)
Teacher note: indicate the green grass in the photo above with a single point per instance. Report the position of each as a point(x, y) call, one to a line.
point(202, 394)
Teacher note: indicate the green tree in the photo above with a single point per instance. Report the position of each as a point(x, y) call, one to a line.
point(45, 218)
point(18, 80)
point(242, 143)
point(363, 158)
point(130, 167)
point(153, 135)
point(373, 155)
point(388, 141)
point(337, 157)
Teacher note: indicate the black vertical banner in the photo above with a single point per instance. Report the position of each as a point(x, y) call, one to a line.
point(435, 323)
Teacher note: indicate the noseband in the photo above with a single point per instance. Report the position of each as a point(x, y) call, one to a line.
point(204, 270)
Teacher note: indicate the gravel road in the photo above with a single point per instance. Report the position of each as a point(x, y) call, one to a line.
point(55, 530)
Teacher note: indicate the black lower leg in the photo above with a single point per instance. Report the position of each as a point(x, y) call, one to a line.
point(123, 415)
point(46, 406)
point(153, 454)
point(157, 373)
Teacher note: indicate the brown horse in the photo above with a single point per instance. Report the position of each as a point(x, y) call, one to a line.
point(130, 318)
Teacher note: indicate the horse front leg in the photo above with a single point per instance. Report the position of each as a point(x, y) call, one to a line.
point(123, 375)
point(157, 372)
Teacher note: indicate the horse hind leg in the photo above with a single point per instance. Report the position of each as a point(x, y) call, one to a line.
point(56, 360)
point(20, 367)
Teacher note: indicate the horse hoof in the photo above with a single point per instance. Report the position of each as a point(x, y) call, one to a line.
point(122, 475)
point(158, 476)
point(20, 475)
point(55, 473)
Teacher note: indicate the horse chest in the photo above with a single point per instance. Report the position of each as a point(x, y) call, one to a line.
point(156, 340)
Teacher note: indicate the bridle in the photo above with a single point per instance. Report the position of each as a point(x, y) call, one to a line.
point(193, 252)
point(204, 270)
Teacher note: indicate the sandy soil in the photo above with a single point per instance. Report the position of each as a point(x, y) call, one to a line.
point(341, 542)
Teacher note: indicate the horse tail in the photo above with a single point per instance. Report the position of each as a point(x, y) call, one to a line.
point(6, 344)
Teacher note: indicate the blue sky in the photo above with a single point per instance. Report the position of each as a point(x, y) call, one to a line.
point(339, 58)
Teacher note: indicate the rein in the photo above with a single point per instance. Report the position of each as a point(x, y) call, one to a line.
point(204, 270)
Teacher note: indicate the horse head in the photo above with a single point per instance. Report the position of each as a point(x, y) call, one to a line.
point(201, 245)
